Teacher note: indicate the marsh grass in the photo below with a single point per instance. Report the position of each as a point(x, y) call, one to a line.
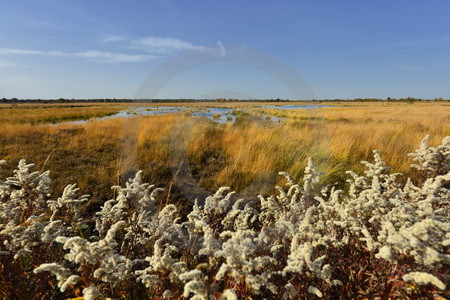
point(245, 155)
point(42, 114)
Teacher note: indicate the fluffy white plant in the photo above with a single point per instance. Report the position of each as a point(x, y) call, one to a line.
point(229, 245)
point(432, 160)
point(28, 216)
point(386, 219)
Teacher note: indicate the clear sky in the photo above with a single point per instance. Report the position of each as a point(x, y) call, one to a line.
point(342, 49)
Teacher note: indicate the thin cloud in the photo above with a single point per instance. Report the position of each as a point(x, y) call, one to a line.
point(9, 51)
point(108, 57)
point(105, 57)
point(162, 45)
point(150, 48)
point(222, 49)
point(111, 39)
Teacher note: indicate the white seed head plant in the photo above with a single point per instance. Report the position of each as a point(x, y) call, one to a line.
point(379, 234)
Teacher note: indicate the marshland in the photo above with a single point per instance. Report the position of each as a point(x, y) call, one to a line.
point(237, 153)
point(188, 152)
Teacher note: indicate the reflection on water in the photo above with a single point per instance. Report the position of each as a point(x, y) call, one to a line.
point(217, 114)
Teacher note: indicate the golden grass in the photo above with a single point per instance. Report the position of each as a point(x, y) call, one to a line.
point(40, 114)
point(99, 154)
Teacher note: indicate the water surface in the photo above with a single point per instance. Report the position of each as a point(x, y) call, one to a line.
point(219, 115)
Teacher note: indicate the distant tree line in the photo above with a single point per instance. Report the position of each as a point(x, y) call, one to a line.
point(123, 100)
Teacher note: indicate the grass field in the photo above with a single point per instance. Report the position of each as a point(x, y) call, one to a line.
point(246, 155)
point(372, 235)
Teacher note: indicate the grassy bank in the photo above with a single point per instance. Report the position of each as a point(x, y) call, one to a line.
point(42, 114)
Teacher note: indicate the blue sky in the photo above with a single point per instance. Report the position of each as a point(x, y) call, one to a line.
point(341, 49)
